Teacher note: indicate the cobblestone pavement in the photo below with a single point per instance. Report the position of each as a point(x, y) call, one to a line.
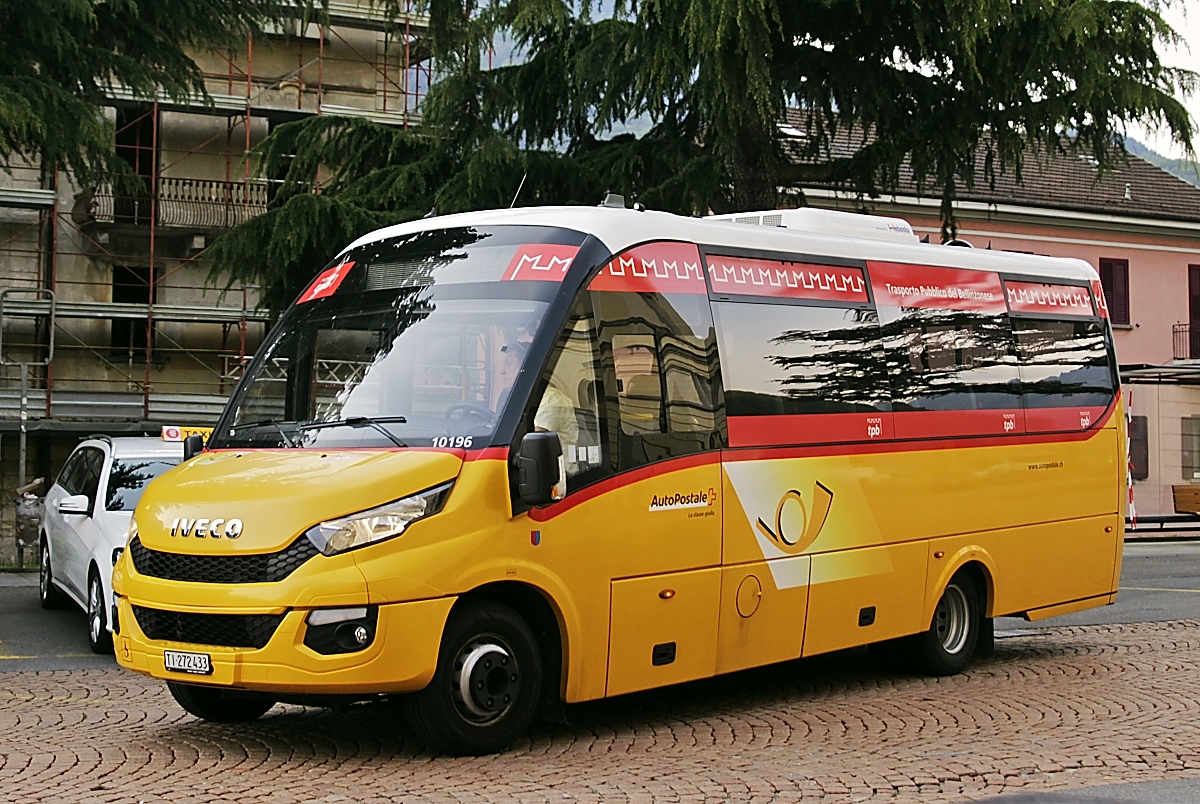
point(1056, 708)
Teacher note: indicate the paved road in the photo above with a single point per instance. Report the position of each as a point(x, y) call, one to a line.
point(1060, 714)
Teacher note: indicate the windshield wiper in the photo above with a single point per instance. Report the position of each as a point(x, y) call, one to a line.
point(363, 421)
point(266, 423)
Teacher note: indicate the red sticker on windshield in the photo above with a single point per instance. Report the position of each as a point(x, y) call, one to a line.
point(938, 288)
point(1045, 298)
point(542, 262)
point(326, 283)
point(1098, 293)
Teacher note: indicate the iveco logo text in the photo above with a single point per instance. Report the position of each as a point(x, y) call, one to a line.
point(674, 502)
point(207, 528)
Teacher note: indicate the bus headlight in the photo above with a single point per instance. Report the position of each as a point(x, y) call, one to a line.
point(377, 524)
point(129, 537)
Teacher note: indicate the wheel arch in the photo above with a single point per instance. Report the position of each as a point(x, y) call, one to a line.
point(544, 617)
point(978, 564)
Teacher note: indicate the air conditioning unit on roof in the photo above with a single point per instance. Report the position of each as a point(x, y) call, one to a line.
point(825, 221)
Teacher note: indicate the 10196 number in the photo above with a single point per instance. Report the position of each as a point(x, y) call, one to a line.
point(453, 442)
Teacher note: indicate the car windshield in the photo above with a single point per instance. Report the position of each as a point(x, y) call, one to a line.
point(409, 341)
point(128, 477)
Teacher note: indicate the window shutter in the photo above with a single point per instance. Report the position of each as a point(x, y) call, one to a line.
point(1114, 276)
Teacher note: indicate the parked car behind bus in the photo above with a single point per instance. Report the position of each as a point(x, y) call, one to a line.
point(86, 522)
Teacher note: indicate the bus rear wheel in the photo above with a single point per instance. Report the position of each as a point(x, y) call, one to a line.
point(947, 646)
point(487, 684)
point(219, 705)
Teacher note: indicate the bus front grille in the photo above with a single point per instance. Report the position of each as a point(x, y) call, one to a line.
point(225, 630)
point(253, 568)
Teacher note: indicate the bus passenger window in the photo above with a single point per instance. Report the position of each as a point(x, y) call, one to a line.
point(660, 368)
point(569, 405)
point(951, 360)
point(782, 359)
point(1064, 363)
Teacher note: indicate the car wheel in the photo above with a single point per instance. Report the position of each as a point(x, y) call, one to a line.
point(947, 647)
point(99, 637)
point(219, 705)
point(488, 681)
point(51, 596)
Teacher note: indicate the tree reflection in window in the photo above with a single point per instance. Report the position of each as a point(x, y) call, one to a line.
point(787, 359)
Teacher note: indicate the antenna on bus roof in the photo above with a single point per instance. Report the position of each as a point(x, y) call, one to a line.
point(518, 192)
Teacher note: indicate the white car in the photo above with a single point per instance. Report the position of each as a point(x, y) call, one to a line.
point(86, 523)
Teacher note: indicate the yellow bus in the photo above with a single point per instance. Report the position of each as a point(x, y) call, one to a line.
point(494, 462)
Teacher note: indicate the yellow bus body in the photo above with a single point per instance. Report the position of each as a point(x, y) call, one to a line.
point(902, 523)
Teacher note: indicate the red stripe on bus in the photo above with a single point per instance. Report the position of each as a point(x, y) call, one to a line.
point(777, 451)
point(623, 479)
point(809, 428)
point(1053, 420)
point(487, 454)
point(951, 423)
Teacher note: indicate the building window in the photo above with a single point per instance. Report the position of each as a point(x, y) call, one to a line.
point(131, 285)
point(1114, 276)
point(1139, 447)
point(1189, 427)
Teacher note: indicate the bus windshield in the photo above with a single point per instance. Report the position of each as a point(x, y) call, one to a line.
point(410, 341)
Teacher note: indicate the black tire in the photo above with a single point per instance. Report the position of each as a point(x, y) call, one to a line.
point(99, 637)
point(491, 651)
point(949, 644)
point(219, 705)
point(50, 595)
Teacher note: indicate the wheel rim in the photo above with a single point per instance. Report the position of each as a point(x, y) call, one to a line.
point(486, 680)
point(44, 573)
point(95, 610)
point(951, 619)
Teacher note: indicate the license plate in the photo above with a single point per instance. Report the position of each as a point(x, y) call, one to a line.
point(182, 662)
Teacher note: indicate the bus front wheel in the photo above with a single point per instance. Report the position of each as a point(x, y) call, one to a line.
point(487, 684)
point(947, 647)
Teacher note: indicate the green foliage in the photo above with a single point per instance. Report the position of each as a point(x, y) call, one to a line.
point(60, 59)
point(921, 85)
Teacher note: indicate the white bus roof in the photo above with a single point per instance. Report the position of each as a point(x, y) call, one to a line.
point(810, 232)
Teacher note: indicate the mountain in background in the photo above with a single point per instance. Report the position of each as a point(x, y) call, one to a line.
point(1187, 170)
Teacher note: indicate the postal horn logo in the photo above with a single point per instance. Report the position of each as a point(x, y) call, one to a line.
point(797, 523)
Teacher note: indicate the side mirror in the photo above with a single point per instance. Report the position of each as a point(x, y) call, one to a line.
point(537, 468)
point(75, 505)
point(193, 445)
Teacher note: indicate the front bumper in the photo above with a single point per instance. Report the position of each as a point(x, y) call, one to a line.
point(401, 658)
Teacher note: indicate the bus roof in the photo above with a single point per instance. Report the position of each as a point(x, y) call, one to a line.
point(823, 234)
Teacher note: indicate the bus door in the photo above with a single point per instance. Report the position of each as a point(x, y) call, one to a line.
point(632, 392)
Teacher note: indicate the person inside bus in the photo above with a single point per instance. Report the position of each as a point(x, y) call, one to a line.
point(555, 412)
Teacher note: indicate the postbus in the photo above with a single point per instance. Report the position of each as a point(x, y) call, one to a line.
point(495, 462)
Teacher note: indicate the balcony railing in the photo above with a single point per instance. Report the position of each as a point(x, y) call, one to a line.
point(1187, 341)
point(202, 204)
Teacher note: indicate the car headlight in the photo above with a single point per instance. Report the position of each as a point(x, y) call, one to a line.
point(376, 524)
point(132, 531)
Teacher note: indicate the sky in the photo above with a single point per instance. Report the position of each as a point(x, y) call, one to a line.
point(1184, 17)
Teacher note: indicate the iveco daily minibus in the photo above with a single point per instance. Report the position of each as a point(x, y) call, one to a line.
point(494, 462)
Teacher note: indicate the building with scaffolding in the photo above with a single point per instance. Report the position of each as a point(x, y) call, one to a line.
point(105, 298)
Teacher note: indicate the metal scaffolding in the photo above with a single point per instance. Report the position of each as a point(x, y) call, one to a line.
point(179, 352)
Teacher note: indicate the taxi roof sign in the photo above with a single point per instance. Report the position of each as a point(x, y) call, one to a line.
point(173, 432)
